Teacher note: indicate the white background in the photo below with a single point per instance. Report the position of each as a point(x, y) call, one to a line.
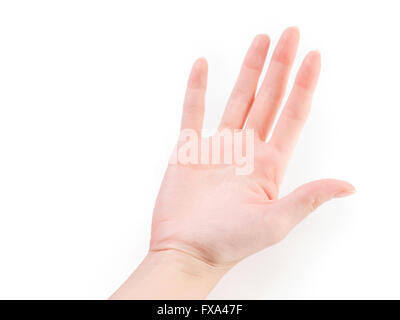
point(90, 102)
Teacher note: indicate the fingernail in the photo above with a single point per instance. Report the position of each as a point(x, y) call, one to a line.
point(344, 193)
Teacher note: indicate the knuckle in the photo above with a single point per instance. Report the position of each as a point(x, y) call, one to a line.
point(315, 202)
point(295, 114)
point(312, 202)
point(192, 108)
point(239, 97)
point(271, 95)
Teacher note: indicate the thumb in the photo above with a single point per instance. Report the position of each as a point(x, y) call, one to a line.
point(305, 199)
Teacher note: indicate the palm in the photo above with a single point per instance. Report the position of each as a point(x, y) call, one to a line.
point(214, 214)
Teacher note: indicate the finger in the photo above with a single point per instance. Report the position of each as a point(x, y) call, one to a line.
point(272, 90)
point(194, 103)
point(246, 85)
point(294, 114)
point(296, 206)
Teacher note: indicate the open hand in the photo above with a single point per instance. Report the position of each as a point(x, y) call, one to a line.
point(209, 211)
point(208, 215)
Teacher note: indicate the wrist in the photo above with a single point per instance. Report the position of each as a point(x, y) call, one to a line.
point(185, 264)
point(170, 274)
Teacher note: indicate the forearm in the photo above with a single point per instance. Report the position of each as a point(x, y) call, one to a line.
point(170, 274)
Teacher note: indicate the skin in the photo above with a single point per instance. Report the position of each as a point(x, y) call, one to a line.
point(207, 218)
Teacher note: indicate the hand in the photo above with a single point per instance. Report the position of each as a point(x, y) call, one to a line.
point(210, 215)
